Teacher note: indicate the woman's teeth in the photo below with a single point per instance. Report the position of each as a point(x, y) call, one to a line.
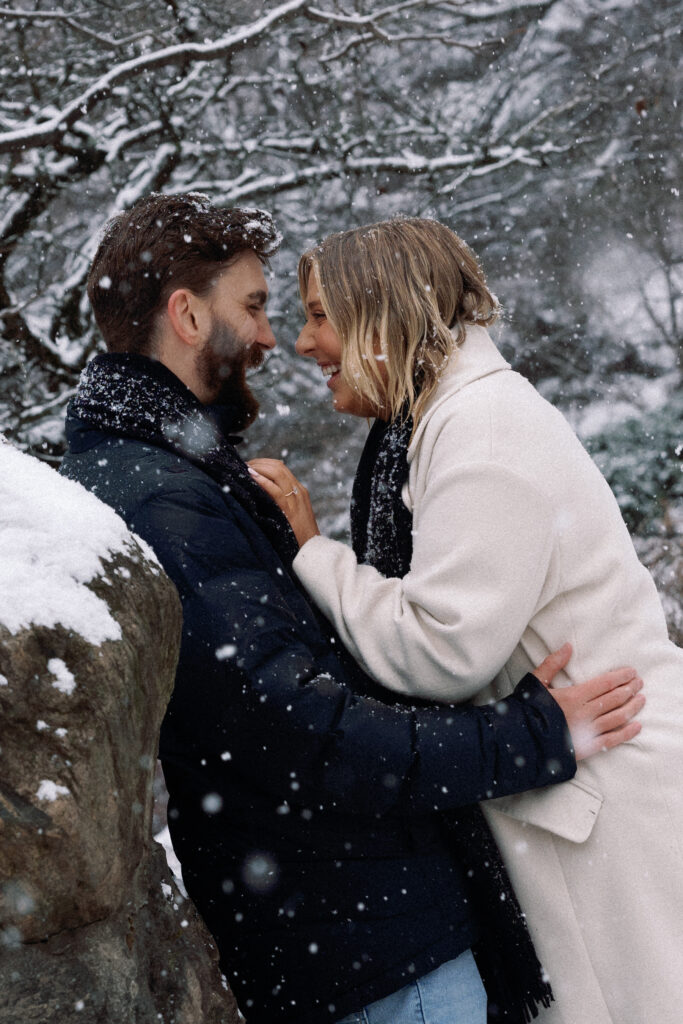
point(330, 369)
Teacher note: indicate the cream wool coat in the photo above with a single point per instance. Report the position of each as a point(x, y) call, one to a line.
point(518, 546)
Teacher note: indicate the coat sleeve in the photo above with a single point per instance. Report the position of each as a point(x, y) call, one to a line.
point(482, 544)
point(251, 689)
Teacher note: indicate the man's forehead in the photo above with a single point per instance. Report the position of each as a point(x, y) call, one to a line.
point(245, 277)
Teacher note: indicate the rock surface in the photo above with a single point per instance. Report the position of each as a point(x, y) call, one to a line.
point(92, 926)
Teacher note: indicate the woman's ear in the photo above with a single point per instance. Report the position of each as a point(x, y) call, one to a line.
point(189, 316)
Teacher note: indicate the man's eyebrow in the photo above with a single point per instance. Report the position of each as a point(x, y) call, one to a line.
point(259, 297)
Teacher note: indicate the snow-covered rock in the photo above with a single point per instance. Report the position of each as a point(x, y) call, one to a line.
point(89, 635)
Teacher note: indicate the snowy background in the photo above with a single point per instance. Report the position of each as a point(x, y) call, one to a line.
point(546, 132)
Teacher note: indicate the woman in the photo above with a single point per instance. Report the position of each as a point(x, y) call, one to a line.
point(484, 536)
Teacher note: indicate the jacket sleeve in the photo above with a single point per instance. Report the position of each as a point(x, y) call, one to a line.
point(252, 690)
point(482, 543)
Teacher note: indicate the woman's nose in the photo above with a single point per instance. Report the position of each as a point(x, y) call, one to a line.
point(304, 343)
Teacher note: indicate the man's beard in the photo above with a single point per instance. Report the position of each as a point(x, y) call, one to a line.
point(222, 366)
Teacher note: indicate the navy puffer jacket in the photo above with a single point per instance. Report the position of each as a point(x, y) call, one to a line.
point(304, 813)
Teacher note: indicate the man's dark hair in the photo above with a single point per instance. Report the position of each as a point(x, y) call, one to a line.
point(162, 243)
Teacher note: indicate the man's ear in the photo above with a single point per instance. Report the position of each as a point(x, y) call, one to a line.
point(188, 316)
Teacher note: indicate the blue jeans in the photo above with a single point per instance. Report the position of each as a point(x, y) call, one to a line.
point(452, 994)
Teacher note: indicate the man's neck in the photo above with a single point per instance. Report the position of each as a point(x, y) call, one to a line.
point(181, 360)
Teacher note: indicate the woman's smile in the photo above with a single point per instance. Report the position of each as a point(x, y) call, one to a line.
point(318, 340)
point(331, 371)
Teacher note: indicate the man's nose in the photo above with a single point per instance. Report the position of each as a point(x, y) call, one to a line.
point(265, 336)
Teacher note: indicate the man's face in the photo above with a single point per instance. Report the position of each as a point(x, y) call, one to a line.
point(239, 335)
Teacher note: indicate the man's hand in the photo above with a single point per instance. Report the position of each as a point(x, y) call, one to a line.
point(290, 495)
point(599, 712)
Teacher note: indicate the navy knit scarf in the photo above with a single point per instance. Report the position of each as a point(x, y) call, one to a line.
point(381, 531)
point(133, 396)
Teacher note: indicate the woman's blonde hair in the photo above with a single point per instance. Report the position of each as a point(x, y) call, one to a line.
point(398, 292)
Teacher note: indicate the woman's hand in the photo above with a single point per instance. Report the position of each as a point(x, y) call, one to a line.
point(290, 495)
point(599, 713)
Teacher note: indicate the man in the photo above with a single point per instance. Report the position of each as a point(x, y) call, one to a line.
point(303, 812)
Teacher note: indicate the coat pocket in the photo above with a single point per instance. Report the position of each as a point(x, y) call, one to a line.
point(568, 810)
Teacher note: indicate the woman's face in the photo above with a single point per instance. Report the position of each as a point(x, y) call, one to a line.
point(319, 340)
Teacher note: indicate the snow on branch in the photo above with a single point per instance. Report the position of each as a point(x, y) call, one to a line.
point(476, 164)
point(229, 192)
point(374, 32)
point(331, 55)
point(581, 98)
point(356, 20)
point(52, 130)
point(412, 163)
point(439, 37)
point(647, 45)
point(493, 12)
point(150, 177)
point(385, 37)
point(14, 215)
point(130, 137)
point(8, 14)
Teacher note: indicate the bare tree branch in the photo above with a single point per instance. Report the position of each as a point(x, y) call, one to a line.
point(69, 19)
point(478, 163)
point(485, 12)
point(326, 135)
point(58, 125)
point(384, 37)
point(356, 20)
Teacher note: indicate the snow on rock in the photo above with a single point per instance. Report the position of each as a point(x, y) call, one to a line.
point(164, 839)
point(64, 680)
point(49, 791)
point(53, 530)
point(77, 771)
